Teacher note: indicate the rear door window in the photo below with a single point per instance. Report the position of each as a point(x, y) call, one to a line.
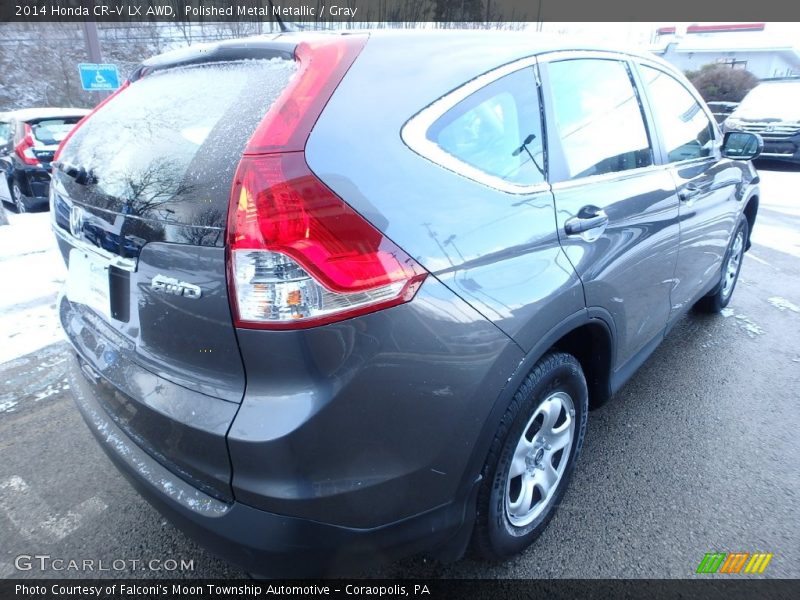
point(687, 131)
point(166, 148)
point(598, 117)
point(5, 133)
point(497, 130)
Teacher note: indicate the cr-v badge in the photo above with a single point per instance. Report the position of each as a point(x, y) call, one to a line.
point(169, 285)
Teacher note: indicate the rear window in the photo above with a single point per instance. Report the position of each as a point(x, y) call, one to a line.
point(167, 147)
point(497, 130)
point(5, 133)
point(50, 132)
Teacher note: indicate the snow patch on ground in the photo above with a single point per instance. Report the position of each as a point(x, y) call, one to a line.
point(8, 405)
point(783, 304)
point(34, 378)
point(745, 323)
point(748, 326)
point(12, 404)
point(32, 272)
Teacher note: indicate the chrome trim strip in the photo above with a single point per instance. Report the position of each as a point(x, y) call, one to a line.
point(56, 188)
point(612, 176)
point(127, 264)
point(555, 55)
point(145, 219)
point(414, 132)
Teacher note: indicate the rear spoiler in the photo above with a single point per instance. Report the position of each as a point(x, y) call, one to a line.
point(247, 49)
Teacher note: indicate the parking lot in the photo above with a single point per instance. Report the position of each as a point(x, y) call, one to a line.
point(698, 452)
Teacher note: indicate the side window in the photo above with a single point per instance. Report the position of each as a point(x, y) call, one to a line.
point(686, 130)
point(598, 117)
point(4, 133)
point(497, 129)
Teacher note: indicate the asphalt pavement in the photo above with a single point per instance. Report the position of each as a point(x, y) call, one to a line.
point(697, 453)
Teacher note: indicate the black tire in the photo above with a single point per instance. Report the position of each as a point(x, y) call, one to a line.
point(721, 295)
point(496, 537)
point(17, 197)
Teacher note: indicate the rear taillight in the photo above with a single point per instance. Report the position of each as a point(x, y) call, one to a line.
point(24, 148)
point(72, 131)
point(299, 255)
point(321, 66)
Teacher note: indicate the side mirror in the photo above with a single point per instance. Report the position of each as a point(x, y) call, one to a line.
point(742, 145)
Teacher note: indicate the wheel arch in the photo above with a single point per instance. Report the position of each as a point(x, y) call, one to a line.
point(591, 344)
point(750, 212)
point(587, 334)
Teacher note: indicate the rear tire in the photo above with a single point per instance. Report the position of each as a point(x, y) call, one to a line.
point(18, 198)
point(532, 457)
point(721, 296)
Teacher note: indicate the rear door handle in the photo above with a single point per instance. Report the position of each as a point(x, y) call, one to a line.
point(586, 221)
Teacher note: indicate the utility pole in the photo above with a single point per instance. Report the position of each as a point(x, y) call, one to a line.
point(92, 42)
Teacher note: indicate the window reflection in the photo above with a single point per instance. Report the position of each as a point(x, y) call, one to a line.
point(497, 130)
point(165, 148)
point(598, 117)
point(684, 126)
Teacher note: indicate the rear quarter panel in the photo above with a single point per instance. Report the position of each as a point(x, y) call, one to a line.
point(498, 251)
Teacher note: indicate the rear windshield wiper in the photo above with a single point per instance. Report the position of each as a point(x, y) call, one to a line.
point(79, 174)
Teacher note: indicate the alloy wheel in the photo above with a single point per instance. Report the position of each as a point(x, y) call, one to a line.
point(733, 264)
point(540, 459)
point(18, 202)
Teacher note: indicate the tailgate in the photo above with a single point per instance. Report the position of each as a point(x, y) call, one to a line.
point(139, 203)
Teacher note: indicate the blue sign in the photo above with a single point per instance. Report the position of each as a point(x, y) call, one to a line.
point(99, 78)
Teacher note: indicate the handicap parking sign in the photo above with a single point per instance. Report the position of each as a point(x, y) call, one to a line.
point(98, 78)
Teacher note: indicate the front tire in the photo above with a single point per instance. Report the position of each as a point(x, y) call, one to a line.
point(720, 297)
point(532, 457)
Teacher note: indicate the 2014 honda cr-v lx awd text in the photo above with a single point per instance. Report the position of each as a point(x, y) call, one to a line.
point(345, 297)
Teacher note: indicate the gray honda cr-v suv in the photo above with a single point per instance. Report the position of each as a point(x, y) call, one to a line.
point(347, 297)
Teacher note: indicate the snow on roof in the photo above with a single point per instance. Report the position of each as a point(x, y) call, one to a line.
point(727, 42)
point(27, 114)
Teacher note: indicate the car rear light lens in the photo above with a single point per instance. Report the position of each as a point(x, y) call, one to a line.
point(72, 131)
point(274, 289)
point(300, 256)
point(322, 64)
point(24, 148)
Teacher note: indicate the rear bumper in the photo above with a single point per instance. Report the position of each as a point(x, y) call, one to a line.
point(357, 442)
point(259, 541)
